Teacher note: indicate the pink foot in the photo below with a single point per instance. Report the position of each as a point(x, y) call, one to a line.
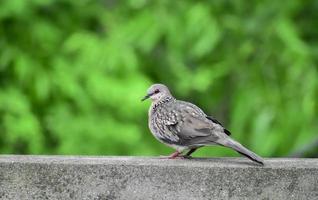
point(175, 155)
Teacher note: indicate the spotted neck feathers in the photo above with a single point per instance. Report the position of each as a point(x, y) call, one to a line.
point(160, 102)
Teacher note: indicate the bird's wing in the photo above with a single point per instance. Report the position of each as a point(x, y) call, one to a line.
point(227, 132)
point(190, 125)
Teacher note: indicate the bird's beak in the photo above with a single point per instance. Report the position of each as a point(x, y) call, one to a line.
point(146, 97)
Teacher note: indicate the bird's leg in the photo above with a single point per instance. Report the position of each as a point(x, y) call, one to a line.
point(189, 153)
point(173, 155)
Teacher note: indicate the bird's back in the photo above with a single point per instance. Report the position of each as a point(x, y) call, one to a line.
point(182, 123)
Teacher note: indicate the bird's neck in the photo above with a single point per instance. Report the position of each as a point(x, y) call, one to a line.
point(158, 103)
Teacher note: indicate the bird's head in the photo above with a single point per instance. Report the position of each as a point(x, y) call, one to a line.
point(157, 92)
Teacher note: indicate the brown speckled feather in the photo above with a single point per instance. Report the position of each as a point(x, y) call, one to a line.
point(182, 123)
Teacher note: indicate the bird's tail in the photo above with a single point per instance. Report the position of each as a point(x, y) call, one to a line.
point(228, 142)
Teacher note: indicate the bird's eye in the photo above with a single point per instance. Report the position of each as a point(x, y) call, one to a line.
point(156, 91)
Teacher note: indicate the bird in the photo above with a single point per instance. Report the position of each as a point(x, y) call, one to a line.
point(185, 127)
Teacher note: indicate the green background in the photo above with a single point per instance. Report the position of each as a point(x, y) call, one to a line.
point(72, 73)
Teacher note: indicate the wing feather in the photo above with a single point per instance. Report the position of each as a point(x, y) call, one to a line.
point(189, 124)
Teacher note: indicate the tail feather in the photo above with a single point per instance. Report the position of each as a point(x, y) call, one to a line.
point(228, 142)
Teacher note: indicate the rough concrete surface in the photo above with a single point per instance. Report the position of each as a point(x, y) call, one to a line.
point(70, 177)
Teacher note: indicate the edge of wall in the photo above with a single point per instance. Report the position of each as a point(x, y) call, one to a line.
point(111, 177)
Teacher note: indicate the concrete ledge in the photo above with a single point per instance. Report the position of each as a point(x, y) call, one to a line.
point(67, 177)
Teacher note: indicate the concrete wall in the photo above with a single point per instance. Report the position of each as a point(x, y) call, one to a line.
point(59, 177)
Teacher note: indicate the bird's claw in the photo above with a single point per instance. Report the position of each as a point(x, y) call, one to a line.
point(171, 157)
point(187, 157)
point(176, 157)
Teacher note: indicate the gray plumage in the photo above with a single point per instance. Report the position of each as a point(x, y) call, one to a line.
point(184, 126)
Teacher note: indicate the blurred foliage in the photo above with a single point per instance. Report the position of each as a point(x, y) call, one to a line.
point(72, 73)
